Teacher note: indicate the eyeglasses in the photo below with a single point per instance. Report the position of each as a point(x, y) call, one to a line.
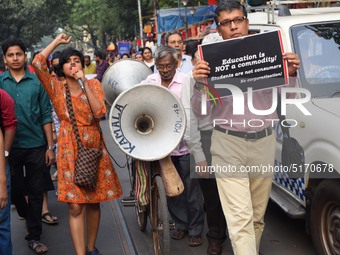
point(227, 22)
point(163, 67)
point(174, 42)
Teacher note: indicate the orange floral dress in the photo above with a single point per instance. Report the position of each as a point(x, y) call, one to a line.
point(108, 186)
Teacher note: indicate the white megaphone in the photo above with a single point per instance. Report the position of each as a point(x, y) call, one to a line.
point(147, 121)
point(122, 75)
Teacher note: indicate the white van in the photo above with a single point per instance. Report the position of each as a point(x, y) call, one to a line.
point(314, 34)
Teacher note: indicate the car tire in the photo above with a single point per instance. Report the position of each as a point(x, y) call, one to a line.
point(325, 217)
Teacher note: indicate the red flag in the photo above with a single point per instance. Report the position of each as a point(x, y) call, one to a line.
point(211, 2)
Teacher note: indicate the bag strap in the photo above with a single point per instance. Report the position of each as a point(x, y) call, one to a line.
point(73, 119)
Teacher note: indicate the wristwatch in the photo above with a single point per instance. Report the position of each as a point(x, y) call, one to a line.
point(51, 147)
point(6, 154)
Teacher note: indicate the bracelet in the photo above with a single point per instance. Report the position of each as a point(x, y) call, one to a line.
point(51, 147)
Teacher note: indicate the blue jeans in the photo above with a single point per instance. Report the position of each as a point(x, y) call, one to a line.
point(5, 221)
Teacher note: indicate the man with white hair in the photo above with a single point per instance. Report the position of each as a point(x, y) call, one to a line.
point(186, 209)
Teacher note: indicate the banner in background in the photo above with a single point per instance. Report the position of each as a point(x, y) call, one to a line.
point(170, 19)
point(123, 48)
point(212, 2)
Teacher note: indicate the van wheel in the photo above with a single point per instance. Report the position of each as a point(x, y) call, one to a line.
point(325, 217)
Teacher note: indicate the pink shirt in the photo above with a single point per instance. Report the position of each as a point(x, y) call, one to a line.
point(176, 87)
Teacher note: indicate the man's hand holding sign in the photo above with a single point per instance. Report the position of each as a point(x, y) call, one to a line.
point(254, 61)
point(202, 69)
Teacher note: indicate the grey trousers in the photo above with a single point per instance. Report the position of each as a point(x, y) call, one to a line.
point(187, 209)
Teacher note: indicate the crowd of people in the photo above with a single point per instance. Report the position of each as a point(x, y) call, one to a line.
point(41, 108)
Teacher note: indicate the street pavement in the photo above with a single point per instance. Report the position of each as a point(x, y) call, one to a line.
point(119, 234)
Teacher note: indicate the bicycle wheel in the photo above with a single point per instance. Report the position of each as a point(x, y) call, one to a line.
point(160, 218)
point(141, 215)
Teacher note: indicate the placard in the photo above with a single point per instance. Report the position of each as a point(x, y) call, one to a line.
point(252, 61)
point(123, 48)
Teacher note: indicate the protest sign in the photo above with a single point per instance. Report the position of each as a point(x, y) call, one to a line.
point(123, 48)
point(253, 61)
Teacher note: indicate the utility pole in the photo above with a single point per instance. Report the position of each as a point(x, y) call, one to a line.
point(185, 3)
point(156, 7)
point(140, 23)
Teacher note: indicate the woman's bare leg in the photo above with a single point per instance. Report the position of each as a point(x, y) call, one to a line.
point(92, 221)
point(77, 226)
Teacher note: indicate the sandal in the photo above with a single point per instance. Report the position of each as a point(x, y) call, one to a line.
point(49, 219)
point(54, 177)
point(37, 247)
point(195, 241)
point(93, 252)
point(179, 234)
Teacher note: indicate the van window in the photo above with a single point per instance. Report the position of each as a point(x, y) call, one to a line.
point(318, 46)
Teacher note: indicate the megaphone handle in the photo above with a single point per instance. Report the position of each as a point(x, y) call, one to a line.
point(172, 181)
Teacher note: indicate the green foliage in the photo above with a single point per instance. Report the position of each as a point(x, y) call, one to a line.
point(85, 16)
point(103, 20)
point(175, 3)
point(30, 20)
point(123, 19)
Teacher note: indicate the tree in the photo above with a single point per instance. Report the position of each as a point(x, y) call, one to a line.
point(163, 4)
point(30, 20)
point(86, 17)
point(124, 19)
point(104, 21)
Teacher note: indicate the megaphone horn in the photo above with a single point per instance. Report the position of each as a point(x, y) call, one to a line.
point(147, 122)
point(122, 75)
point(144, 124)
